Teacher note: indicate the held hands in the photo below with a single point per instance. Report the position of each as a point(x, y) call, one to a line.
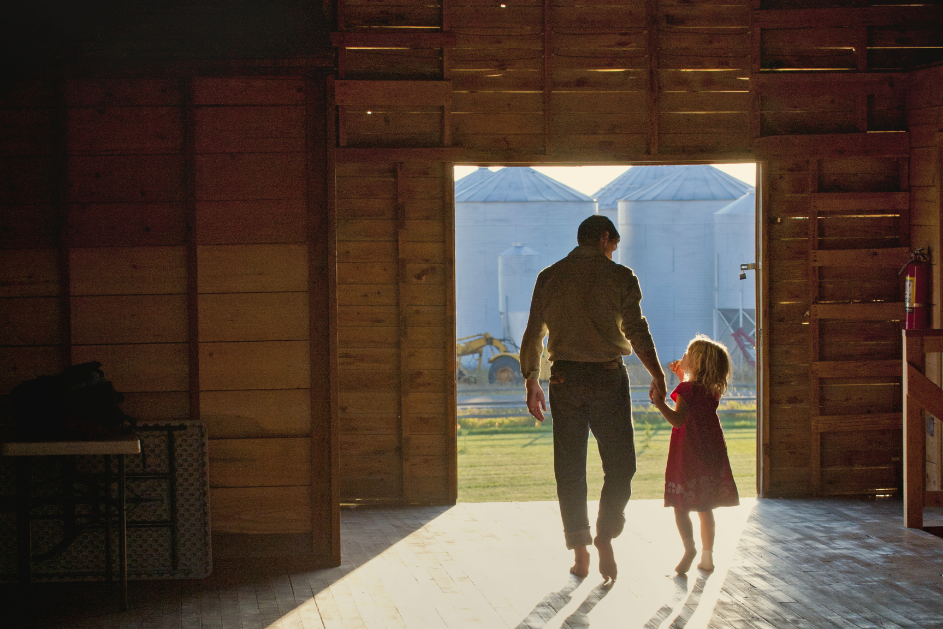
point(657, 390)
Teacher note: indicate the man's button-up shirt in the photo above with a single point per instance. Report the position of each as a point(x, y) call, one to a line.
point(590, 306)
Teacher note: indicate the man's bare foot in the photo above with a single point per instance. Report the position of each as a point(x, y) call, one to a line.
point(580, 562)
point(607, 558)
point(685, 564)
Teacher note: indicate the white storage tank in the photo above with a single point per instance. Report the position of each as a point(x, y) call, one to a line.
point(608, 197)
point(734, 244)
point(667, 231)
point(472, 178)
point(518, 267)
point(512, 205)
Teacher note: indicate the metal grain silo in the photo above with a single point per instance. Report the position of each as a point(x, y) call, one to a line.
point(667, 231)
point(513, 205)
point(473, 178)
point(608, 197)
point(735, 299)
point(518, 267)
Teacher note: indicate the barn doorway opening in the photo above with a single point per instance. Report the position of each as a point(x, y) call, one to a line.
point(688, 231)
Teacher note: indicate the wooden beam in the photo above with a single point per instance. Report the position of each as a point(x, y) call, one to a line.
point(933, 345)
point(587, 157)
point(448, 201)
point(924, 390)
point(843, 18)
point(891, 144)
point(395, 39)
point(856, 423)
point(914, 462)
point(394, 94)
point(327, 231)
point(886, 311)
point(870, 258)
point(933, 498)
point(447, 154)
point(856, 369)
point(845, 202)
point(833, 83)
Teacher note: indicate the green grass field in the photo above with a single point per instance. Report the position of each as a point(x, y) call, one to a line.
point(518, 466)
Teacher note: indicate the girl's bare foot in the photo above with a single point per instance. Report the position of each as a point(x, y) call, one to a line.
point(685, 564)
point(607, 559)
point(580, 562)
point(707, 560)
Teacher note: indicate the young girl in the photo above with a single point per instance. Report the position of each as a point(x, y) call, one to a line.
point(698, 476)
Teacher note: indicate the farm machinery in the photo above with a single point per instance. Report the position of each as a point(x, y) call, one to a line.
point(505, 364)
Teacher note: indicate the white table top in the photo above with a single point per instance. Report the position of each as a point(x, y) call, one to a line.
point(125, 444)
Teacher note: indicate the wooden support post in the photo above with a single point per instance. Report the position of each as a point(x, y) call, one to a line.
point(815, 438)
point(548, 80)
point(446, 74)
point(913, 436)
point(325, 230)
point(193, 298)
point(448, 201)
point(913, 463)
point(762, 338)
point(403, 337)
point(654, 84)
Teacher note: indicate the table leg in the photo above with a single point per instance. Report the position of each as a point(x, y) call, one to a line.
point(122, 533)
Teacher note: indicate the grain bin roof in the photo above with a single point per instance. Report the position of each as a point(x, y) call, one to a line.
point(744, 205)
point(693, 183)
point(473, 178)
point(517, 185)
point(609, 195)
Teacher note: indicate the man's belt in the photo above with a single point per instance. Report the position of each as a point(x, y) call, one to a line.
point(615, 363)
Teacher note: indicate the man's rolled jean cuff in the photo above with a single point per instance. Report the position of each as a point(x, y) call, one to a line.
point(579, 537)
point(610, 529)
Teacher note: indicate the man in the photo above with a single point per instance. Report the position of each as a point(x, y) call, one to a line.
point(591, 308)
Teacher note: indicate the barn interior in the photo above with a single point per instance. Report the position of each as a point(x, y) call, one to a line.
point(245, 212)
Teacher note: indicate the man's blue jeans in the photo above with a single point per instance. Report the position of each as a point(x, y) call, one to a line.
point(583, 397)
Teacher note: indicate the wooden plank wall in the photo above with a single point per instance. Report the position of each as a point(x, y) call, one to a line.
point(163, 227)
point(232, 258)
point(395, 332)
point(34, 319)
point(818, 93)
point(925, 122)
point(831, 121)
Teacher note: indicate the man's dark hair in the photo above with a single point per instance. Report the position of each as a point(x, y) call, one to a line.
point(592, 229)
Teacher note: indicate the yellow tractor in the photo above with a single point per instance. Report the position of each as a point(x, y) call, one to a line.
point(505, 365)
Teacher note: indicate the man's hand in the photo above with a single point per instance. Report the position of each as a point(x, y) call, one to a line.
point(536, 402)
point(658, 389)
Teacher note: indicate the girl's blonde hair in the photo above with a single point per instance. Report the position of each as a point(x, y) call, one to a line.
point(710, 364)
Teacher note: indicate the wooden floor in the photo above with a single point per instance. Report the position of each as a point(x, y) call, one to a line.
point(780, 563)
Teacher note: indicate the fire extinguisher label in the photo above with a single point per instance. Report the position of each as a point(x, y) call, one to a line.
point(910, 293)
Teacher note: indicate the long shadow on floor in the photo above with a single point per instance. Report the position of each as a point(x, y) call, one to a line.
point(554, 602)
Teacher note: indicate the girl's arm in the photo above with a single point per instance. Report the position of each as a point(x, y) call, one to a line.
point(675, 367)
point(675, 417)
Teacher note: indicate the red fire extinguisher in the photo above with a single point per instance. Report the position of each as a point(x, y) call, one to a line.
point(916, 289)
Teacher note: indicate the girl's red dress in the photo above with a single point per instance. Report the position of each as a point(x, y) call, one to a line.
point(698, 475)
